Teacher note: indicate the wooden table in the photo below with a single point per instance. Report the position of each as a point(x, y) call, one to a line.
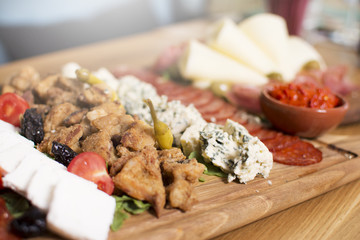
point(332, 215)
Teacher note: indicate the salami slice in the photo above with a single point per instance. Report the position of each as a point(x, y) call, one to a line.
point(214, 106)
point(225, 112)
point(204, 98)
point(266, 134)
point(281, 141)
point(189, 96)
point(299, 154)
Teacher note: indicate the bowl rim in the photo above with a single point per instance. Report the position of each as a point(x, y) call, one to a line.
point(343, 106)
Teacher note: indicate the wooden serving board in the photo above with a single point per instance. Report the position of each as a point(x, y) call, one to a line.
point(222, 206)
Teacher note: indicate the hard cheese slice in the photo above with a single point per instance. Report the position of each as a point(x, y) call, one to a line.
point(269, 32)
point(78, 210)
point(226, 37)
point(202, 62)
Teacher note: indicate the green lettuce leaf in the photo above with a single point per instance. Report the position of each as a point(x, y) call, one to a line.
point(125, 205)
point(210, 169)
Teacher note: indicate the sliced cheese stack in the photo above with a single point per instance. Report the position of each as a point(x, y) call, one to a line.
point(246, 53)
point(201, 62)
point(75, 208)
point(227, 38)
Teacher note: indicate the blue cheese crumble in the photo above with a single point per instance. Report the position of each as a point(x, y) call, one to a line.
point(235, 151)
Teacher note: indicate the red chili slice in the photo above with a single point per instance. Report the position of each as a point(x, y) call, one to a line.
point(299, 154)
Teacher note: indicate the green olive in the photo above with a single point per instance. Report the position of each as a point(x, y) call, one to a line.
point(311, 65)
point(162, 131)
point(220, 88)
point(275, 76)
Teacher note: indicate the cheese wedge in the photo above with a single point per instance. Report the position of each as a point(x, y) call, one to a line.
point(91, 210)
point(270, 33)
point(300, 52)
point(202, 62)
point(227, 38)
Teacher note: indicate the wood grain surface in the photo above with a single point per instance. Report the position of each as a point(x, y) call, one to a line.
point(320, 201)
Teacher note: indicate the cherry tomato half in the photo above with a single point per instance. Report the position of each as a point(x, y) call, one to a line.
point(91, 166)
point(12, 107)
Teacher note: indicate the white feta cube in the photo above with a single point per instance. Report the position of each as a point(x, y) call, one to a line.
point(12, 156)
point(41, 185)
point(19, 178)
point(80, 211)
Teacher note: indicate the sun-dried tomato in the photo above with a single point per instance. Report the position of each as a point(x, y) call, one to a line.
point(305, 95)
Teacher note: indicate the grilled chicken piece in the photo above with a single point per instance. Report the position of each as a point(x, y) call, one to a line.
point(180, 176)
point(69, 136)
point(140, 178)
point(57, 115)
point(138, 136)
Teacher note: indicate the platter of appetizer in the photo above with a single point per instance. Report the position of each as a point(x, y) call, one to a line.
point(179, 149)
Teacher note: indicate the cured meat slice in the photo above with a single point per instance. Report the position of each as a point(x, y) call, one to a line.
point(214, 106)
point(266, 134)
point(300, 154)
point(189, 96)
point(227, 111)
point(204, 98)
point(281, 141)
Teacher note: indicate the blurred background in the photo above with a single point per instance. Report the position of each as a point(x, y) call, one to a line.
point(33, 27)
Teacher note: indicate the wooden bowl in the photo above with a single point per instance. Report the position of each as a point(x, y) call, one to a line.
point(301, 121)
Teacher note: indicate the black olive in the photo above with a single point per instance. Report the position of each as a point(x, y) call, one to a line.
point(63, 153)
point(32, 126)
point(31, 224)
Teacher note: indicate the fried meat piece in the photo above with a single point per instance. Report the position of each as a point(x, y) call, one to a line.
point(95, 95)
point(138, 136)
point(45, 85)
point(100, 142)
point(113, 123)
point(57, 115)
point(26, 78)
point(69, 136)
point(124, 155)
point(172, 154)
point(105, 109)
point(180, 175)
point(75, 117)
point(140, 178)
